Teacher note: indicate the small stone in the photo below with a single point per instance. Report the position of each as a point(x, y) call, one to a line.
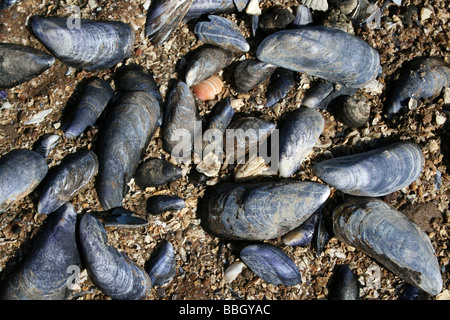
point(425, 14)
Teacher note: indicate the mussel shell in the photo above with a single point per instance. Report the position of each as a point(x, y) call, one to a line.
point(388, 236)
point(65, 180)
point(93, 101)
point(163, 17)
point(259, 211)
point(303, 234)
point(120, 217)
point(303, 16)
point(275, 20)
point(343, 284)
point(221, 32)
point(422, 77)
point(201, 7)
point(44, 273)
point(21, 171)
point(298, 135)
point(281, 82)
point(327, 53)
point(5, 4)
point(271, 264)
point(315, 96)
point(20, 64)
point(250, 73)
point(374, 173)
point(156, 172)
point(92, 46)
point(122, 139)
point(113, 272)
point(46, 144)
point(161, 203)
point(162, 264)
point(206, 61)
point(180, 117)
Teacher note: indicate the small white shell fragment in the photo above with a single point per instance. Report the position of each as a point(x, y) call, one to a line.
point(321, 5)
point(6, 105)
point(233, 271)
point(39, 117)
point(398, 2)
point(253, 8)
point(440, 118)
point(425, 14)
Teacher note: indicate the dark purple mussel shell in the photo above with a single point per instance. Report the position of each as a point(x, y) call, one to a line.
point(303, 234)
point(374, 173)
point(20, 64)
point(65, 180)
point(93, 101)
point(201, 7)
point(44, 272)
point(389, 237)
point(422, 77)
point(21, 171)
point(281, 82)
point(156, 172)
point(122, 139)
point(250, 73)
point(91, 45)
point(206, 61)
point(113, 272)
point(221, 32)
point(324, 52)
point(271, 264)
point(46, 144)
point(162, 265)
point(161, 203)
point(343, 284)
point(259, 211)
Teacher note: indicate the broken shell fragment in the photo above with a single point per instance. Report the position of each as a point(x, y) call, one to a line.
point(388, 236)
point(259, 211)
point(374, 173)
point(271, 264)
point(209, 88)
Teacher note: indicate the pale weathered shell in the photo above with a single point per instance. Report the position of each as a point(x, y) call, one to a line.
point(259, 211)
point(163, 17)
point(250, 73)
point(298, 135)
point(321, 5)
point(388, 236)
point(303, 16)
point(21, 64)
point(327, 53)
point(162, 264)
point(271, 264)
point(91, 45)
point(21, 171)
point(374, 173)
point(65, 180)
point(113, 272)
point(206, 61)
point(209, 88)
point(422, 77)
point(221, 32)
point(45, 272)
point(123, 137)
point(93, 101)
point(233, 270)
